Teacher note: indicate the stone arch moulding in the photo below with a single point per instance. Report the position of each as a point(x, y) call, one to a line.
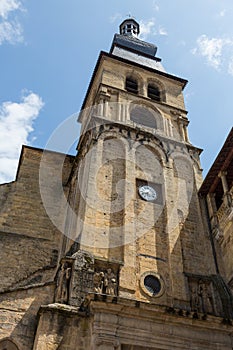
point(183, 156)
point(8, 344)
point(114, 135)
point(156, 150)
point(137, 77)
point(150, 162)
point(150, 109)
point(183, 170)
point(160, 86)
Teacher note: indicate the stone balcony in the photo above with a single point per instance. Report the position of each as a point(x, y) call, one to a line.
point(225, 212)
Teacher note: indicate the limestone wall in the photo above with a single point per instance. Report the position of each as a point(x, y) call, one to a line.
point(18, 314)
point(30, 243)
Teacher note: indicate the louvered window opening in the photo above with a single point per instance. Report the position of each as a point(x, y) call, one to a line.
point(153, 93)
point(131, 85)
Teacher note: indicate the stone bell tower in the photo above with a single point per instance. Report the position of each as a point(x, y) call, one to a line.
point(138, 260)
point(137, 175)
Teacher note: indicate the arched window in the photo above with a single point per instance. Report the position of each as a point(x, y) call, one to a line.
point(153, 92)
point(7, 345)
point(131, 85)
point(143, 116)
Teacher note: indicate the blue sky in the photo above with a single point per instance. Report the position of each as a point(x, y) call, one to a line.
point(49, 49)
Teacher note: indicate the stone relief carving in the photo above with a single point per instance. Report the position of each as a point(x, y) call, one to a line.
point(105, 282)
point(201, 298)
point(80, 275)
point(204, 297)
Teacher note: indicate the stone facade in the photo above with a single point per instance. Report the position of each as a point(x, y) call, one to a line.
point(217, 196)
point(111, 249)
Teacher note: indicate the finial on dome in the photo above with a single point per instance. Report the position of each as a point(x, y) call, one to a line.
point(130, 27)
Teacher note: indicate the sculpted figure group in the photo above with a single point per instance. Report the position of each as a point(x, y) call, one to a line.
point(203, 299)
point(105, 282)
point(102, 282)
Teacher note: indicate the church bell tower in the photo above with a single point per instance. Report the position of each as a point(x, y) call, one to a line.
point(139, 255)
point(138, 174)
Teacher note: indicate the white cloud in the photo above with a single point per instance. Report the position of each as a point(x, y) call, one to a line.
point(10, 29)
point(162, 31)
point(222, 13)
point(16, 124)
point(188, 96)
point(11, 32)
point(155, 6)
point(147, 28)
point(7, 6)
point(230, 66)
point(218, 52)
point(211, 49)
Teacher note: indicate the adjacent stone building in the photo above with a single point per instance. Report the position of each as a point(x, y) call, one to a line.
point(217, 193)
point(123, 246)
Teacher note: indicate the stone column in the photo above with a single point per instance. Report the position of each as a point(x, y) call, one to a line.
point(181, 128)
point(226, 197)
point(186, 132)
point(127, 278)
point(144, 89)
point(101, 108)
point(124, 112)
point(106, 108)
point(223, 178)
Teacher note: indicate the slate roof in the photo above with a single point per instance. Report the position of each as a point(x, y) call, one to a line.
point(133, 43)
point(223, 162)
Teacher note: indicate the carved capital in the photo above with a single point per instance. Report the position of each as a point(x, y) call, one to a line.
point(222, 174)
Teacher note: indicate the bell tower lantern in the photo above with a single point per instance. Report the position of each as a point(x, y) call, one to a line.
point(129, 27)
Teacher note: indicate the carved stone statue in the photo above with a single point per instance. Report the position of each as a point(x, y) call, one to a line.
point(201, 288)
point(105, 282)
point(194, 298)
point(202, 296)
point(110, 282)
point(98, 280)
point(63, 281)
point(207, 299)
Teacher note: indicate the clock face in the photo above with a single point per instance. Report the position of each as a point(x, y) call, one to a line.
point(147, 193)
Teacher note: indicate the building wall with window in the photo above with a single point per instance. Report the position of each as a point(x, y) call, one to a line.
point(217, 193)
